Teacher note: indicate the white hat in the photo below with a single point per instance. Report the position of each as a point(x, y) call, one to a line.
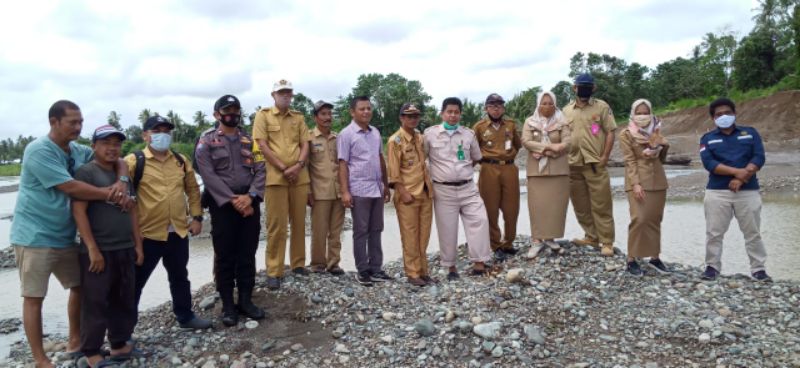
point(281, 85)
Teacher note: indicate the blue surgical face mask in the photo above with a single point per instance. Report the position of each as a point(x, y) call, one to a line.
point(725, 121)
point(160, 141)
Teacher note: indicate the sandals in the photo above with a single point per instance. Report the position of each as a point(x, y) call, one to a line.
point(134, 353)
point(83, 362)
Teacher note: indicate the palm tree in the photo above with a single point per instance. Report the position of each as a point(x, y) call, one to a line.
point(114, 119)
point(145, 114)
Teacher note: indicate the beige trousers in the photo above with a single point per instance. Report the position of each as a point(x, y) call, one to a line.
point(448, 203)
point(721, 206)
point(327, 219)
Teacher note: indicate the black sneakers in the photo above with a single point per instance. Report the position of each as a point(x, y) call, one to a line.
point(710, 274)
point(634, 269)
point(364, 279)
point(761, 276)
point(659, 266)
point(380, 276)
point(273, 283)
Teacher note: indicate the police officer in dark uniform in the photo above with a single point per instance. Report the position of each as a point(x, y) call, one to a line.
point(234, 186)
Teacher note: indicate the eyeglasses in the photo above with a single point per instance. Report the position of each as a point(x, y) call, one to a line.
point(71, 166)
point(495, 105)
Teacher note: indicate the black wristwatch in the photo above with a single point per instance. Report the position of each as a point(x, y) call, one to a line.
point(198, 218)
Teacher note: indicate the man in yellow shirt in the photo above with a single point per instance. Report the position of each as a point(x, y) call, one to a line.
point(282, 137)
point(163, 179)
point(592, 125)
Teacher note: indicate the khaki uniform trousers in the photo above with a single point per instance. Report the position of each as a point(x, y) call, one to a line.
point(285, 206)
point(415, 231)
point(590, 193)
point(644, 231)
point(499, 188)
point(721, 206)
point(450, 202)
point(327, 219)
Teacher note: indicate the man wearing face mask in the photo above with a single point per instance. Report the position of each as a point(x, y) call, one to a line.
point(234, 185)
point(282, 137)
point(732, 154)
point(592, 125)
point(163, 179)
point(498, 182)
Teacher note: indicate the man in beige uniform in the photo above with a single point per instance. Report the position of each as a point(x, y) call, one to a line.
point(592, 124)
point(413, 190)
point(452, 152)
point(282, 137)
point(327, 212)
point(498, 182)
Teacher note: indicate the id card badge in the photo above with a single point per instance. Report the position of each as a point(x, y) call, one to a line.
point(508, 145)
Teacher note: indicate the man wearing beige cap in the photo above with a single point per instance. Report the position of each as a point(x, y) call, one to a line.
point(327, 212)
point(409, 178)
point(282, 137)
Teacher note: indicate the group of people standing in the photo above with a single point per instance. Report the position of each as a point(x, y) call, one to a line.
point(137, 211)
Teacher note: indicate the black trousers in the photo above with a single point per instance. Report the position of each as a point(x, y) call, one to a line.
point(174, 254)
point(108, 302)
point(235, 241)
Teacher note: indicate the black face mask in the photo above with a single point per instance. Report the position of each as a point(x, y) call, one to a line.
point(585, 91)
point(231, 120)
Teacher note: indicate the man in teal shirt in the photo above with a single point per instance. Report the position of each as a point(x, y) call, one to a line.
point(43, 231)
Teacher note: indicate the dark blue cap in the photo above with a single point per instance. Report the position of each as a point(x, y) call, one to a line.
point(156, 121)
point(584, 78)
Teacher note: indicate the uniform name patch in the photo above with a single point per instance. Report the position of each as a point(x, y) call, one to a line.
point(715, 141)
point(745, 137)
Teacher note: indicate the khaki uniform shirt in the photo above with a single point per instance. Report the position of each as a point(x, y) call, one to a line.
point(323, 166)
point(500, 144)
point(645, 171)
point(228, 167)
point(442, 151)
point(283, 134)
point(589, 126)
point(162, 195)
point(532, 140)
point(406, 163)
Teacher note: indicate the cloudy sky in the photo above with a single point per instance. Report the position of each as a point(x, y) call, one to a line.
point(182, 55)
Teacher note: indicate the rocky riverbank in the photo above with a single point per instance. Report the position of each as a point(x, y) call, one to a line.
point(576, 309)
point(7, 259)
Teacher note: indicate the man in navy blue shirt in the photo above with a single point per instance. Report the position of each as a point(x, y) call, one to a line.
point(732, 154)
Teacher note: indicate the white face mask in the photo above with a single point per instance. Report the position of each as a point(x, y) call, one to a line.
point(725, 121)
point(160, 141)
point(642, 120)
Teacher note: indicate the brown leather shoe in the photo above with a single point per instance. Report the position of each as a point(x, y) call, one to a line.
point(416, 282)
point(586, 242)
point(607, 250)
point(429, 280)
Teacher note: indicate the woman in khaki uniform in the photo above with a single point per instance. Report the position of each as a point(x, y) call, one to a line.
point(644, 150)
point(546, 135)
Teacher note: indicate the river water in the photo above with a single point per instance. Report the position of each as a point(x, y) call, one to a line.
point(683, 233)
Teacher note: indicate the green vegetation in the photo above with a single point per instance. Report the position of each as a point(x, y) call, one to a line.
point(10, 169)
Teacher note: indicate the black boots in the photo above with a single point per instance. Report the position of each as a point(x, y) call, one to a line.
point(246, 305)
point(229, 315)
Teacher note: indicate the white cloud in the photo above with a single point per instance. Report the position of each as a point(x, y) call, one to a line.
point(182, 55)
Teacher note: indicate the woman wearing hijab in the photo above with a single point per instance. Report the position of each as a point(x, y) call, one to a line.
point(644, 150)
point(546, 135)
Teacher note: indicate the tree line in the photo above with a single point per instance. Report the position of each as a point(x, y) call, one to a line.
point(721, 65)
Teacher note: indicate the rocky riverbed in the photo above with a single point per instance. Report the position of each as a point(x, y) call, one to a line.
point(575, 309)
